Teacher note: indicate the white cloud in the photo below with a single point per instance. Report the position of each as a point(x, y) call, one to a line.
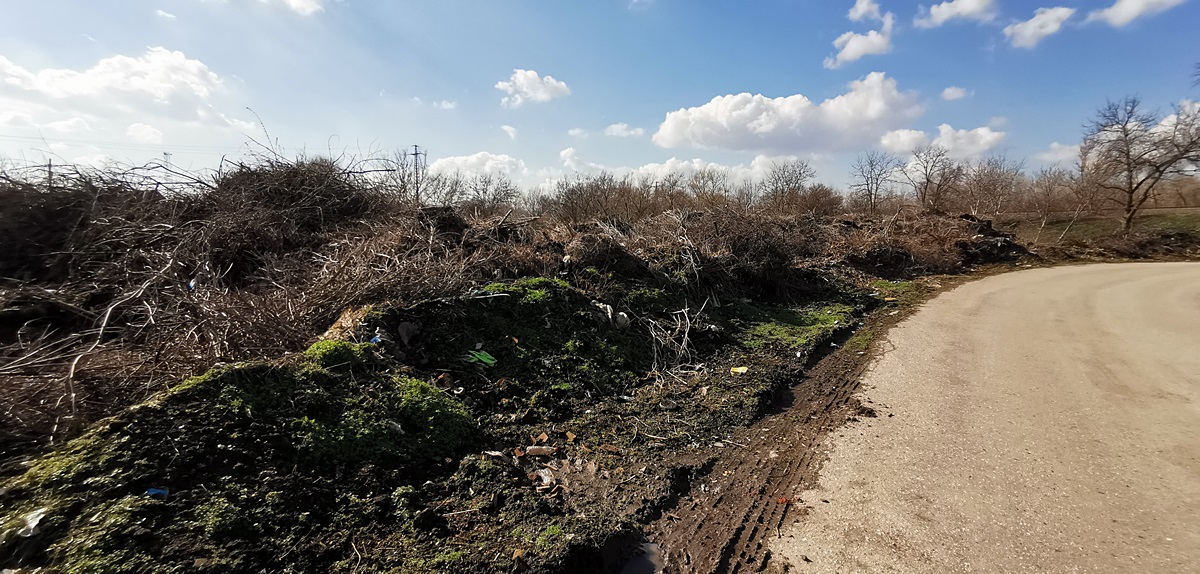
point(571, 160)
point(967, 144)
point(997, 122)
point(16, 119)
point(1045, 22)
point(1125, 11)
point(904, 141)
point(962, 144)
point(1059, 153)
point(954, 93)
point(160, 81)
point(622, 130)
point(578, 133)
point(441, 105)
point(864, 9)
point(979, 10)
point(640, 4)
point(304, 7)
point(511, 131)
point(479, 163)
point(144, 133)
point(72, 125)
point(852, 46)
point(851, 121)
point(164, 15)
point(755, 170)
point(528, 86)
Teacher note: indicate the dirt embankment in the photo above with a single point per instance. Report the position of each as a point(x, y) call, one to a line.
point(497, 395)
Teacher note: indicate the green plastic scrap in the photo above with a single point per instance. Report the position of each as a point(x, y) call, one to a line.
point(481, 357)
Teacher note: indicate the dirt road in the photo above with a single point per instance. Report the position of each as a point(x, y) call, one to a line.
point(1040, 421)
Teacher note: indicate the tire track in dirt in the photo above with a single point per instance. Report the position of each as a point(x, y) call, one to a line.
point(723, 524)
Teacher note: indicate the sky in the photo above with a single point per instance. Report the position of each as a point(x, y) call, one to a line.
point(539, 90)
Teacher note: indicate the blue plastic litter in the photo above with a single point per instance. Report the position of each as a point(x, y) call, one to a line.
point(157, 492)
point(376, 339)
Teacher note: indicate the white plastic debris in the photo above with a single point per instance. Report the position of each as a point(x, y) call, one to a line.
point(31, 523)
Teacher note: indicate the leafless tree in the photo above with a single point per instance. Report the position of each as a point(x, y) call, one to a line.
point(1129, 152)
point(710, 187)
point(784, 183)
point(934, 176)
point(872, 174)
point(990, 183)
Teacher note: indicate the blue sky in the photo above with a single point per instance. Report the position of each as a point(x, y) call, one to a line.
point(541, 89)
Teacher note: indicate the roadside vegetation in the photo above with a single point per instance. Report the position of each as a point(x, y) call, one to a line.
point(324, 366)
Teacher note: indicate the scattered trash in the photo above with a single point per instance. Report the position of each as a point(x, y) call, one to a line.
point(541, 450)
point(484, 357)
point(518, 553)
point(396, 426)
point(625, 398)
point(546, 476)
point(833, 344)
point(570, 436)
point(152, 492)
point(719, 444)
point(890, 299)
point(31, 523)
point(622, 320)
point(893, 313)
point(494, 453)
point(738, 370)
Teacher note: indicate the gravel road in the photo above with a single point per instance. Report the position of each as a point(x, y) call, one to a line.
point(1040, 421)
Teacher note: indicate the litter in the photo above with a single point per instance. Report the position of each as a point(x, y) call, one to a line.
point(541, 450)
point(31, 523)
point(738, 370)
point(481, 357)
point(158, 492)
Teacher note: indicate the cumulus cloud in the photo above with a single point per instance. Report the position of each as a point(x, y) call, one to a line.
point(967, 144)
point(144, 133)
point(979, 10)
point(1125, 11)
point(872, 106)
point(904, 141)
point(622, 130)
point(160, 82)
point(954, 93)
point(852, 46)
point(527, 86)
point(1045, 22)
point(511, 131)
point(755, 170)
point(1059, 153)
point(578, 133)
point(164, 15)
point(480, 163)
point(72, 125)
point(962, 144)
point(864, 9)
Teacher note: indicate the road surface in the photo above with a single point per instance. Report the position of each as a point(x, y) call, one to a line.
point(1040, 421)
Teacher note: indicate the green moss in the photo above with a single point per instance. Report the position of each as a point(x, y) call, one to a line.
point(549, 537)
point(332, 354)
point(531, 290)
point(904, 292)
point(796, 328)
point(861, 341)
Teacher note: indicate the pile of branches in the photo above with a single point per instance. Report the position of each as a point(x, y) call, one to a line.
point(119, 284)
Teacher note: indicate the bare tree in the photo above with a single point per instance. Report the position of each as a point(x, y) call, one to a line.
point(934, 176)
point(1129, 151)
point(784, 183)
point(990, 182)
point(1048, 192)
point(710, 187)
point(872, 174)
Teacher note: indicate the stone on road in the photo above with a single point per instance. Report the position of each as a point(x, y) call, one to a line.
point(1039, 421)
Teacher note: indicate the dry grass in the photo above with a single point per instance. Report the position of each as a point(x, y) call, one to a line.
point(124, 282)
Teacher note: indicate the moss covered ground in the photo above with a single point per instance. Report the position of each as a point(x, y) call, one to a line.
point(524, 425)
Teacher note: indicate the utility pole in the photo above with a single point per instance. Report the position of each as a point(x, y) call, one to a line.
point(167, 157)
point(418, 168)
point(50, 174)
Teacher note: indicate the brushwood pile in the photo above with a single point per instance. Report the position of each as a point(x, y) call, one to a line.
point(302, 366)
